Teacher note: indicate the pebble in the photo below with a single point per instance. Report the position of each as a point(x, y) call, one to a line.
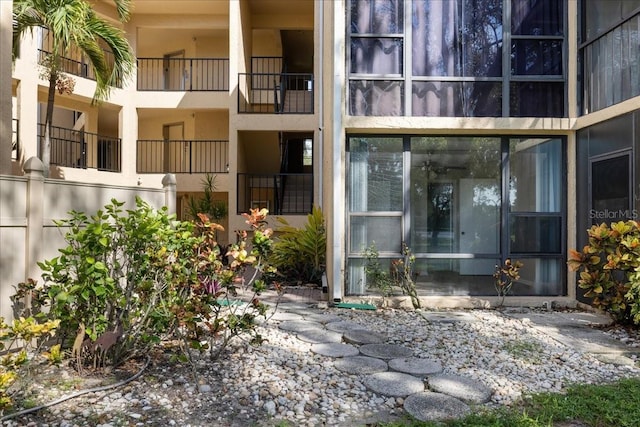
point(284, 380)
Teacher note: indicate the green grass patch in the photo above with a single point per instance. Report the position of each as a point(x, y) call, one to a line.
point(609, 405)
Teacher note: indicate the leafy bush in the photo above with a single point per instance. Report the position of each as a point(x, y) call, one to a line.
point(210, 315)
point(504, 277)
point(126, 280)
point(609, 267)
point(216, 210)
point(119, 274)
point(22, 337)
point(300, 254)
point(400, 274)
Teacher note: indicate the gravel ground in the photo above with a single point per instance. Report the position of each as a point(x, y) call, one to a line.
point(283, 383)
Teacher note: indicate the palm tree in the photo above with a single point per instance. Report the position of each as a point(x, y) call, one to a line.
point(73, 24)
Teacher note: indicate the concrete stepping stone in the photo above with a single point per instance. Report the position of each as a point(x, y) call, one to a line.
point(415, 366)
point(299, 325)
point(463, 388)
point(322, 317)
point(360, 365)
point(285, 316)
point(448, 316)
point(342, 326)
point(394, 384)
point(386, 351)
point(316, 336)
point(334, 349)
point(430, 406)
point(362, 336)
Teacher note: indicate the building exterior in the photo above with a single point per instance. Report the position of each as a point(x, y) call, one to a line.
point(471, 131)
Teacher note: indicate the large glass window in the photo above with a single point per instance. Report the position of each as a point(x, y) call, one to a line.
point(462, 204)
point(610, 52)
point(462, 59)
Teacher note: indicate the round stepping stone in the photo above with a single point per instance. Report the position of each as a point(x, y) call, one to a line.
point(463, 388)
point(285, 316)
point(335, 349)
point(345, 325)
point(362, 336)
point(316, 336)
point(385, 351)
point(299, 325)
point(415, 366)
point(429, 406)
point(394, 384)
point(322, 317)
point(360, 365)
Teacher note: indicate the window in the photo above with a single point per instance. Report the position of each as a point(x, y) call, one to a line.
point(462, 62)
point(610, 54)
point(446, 197)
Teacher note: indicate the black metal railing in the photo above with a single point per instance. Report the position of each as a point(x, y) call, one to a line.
point(182, 156)
point(183, 74)
point(264, 66)
point(15, 139)
point(275, 93)
point(280, 193)
point(84, 150)
point(74, 62)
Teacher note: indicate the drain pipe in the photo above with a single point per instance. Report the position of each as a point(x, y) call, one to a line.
point(338, 217)
point(320, 99)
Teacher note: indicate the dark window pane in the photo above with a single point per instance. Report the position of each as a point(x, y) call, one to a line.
point(537, 99)
point(450, 39)
point(457, 99)
point(536, 57)
point(610, 195)
point(376, 56)
point(377, 16)
point(384, 232)
point(536, 234)
point(376, 98)
point(542, 17)
point(600, 16)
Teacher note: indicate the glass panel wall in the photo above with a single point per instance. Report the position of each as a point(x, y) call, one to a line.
point(462, 59)
point(446, 198)
point(609, 51)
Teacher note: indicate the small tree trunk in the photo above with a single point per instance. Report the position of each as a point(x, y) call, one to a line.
point(45, 143)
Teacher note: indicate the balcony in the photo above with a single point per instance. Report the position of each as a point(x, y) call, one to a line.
point(182, 156)
point(275, 93)
point(15, 139)
point(280, 193)
point(183, 74)
point(83, 150)
point(75, 62)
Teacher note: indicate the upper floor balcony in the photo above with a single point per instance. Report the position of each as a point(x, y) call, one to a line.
point(182, 156)
point(270, 89)
point(183, 74)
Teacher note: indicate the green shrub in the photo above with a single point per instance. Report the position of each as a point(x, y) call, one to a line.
point(216, 210)
point(119, 274)
point(300, 254)
point(609, 268)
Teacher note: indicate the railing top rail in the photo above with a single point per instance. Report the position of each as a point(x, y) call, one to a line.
point(81, 132)
point(183, 59)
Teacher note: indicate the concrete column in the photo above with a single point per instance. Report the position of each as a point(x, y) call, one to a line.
point(6, 8)
point(34, 171)
point(170, 192)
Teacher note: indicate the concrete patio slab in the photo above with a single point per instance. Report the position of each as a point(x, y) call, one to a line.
point(415, 366)
point(363, 336)
point(299, 325)
point(335, 349)
point(317, 336)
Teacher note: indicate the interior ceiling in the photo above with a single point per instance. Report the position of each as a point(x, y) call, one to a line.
point(181, 7)
point(297, 46)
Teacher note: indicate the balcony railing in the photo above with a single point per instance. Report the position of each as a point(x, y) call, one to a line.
point(275, 93)
point(74, 62)
point(84, 150)
point(281, 193)
point(15, 139)
point(182, 156)
point(183, 74)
